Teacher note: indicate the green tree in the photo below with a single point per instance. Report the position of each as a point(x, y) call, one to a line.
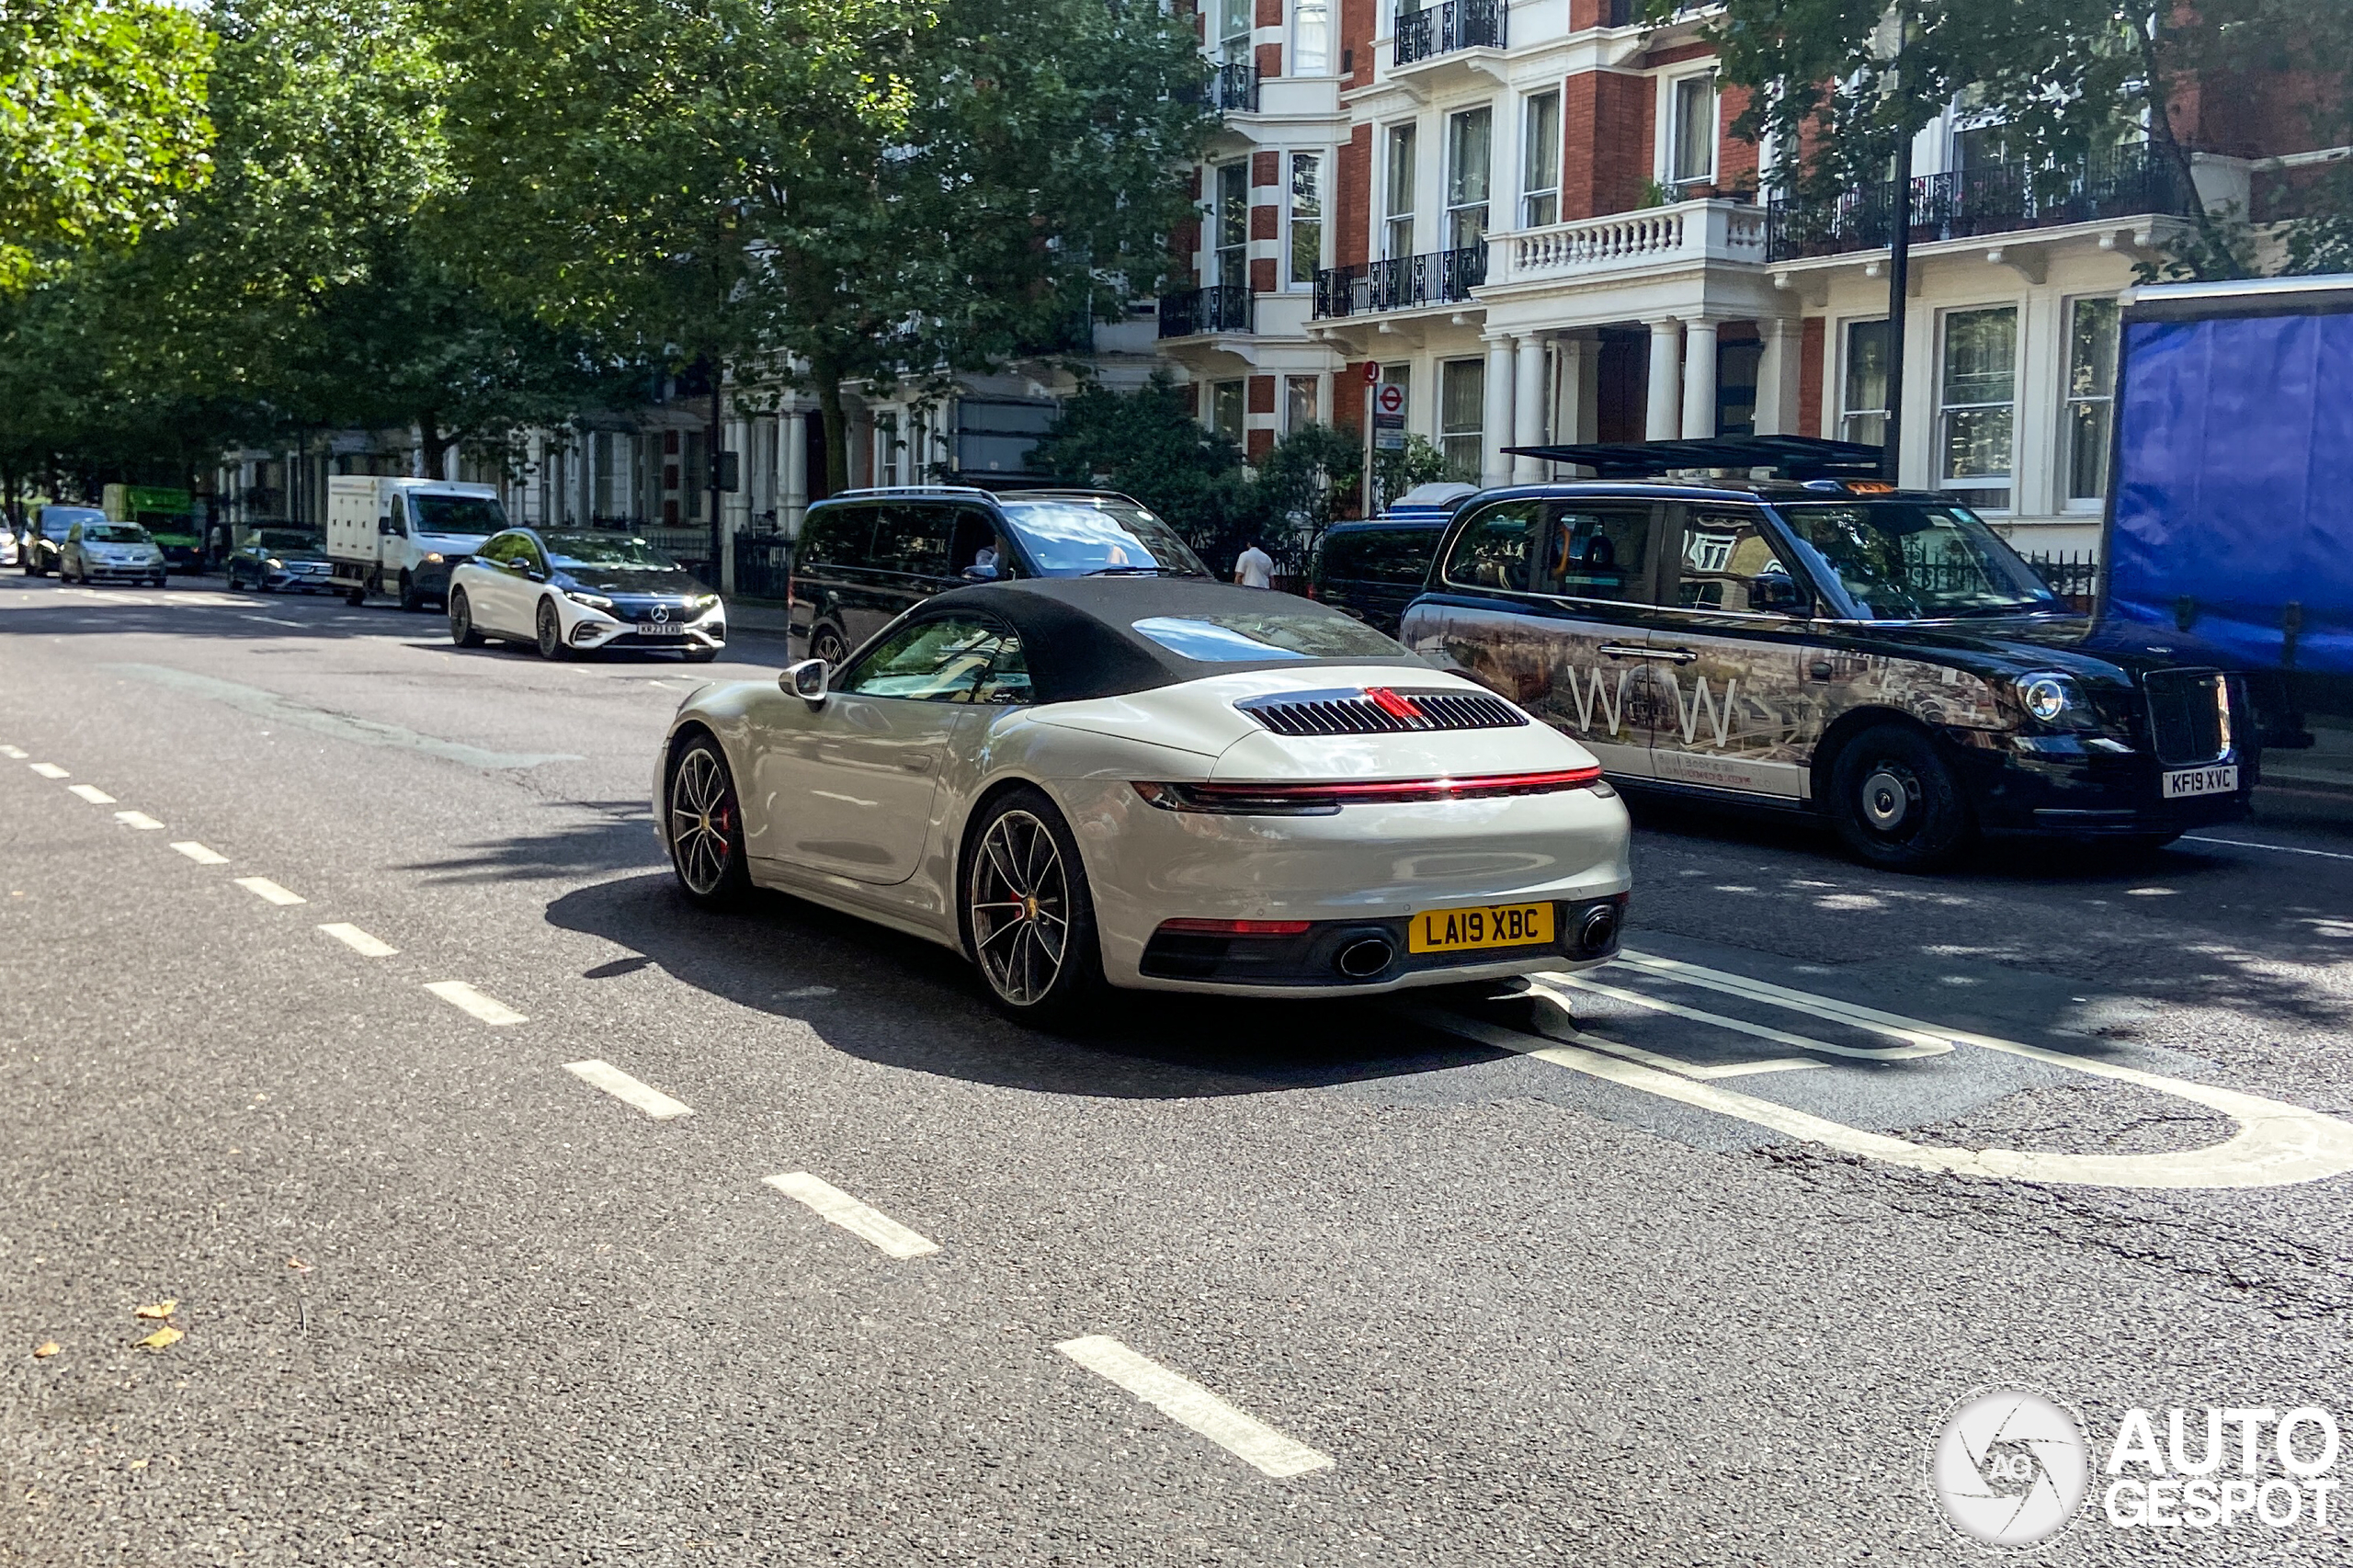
point(2061, 77)
point(102, 123)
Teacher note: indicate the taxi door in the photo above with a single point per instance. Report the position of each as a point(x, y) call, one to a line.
point(1735, 708)
point(1546, 603)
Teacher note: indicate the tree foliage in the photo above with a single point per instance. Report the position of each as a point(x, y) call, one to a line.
point(102, 123)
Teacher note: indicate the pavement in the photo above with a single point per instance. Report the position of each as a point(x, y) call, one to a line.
point(508, 1210)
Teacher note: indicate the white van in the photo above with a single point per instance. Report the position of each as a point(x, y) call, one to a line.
point(402, 536)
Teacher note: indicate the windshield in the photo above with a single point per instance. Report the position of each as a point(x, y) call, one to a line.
point(115, 533)
point(58, 521)
point(1915, 560)
point(594, 549)
point(1229, 637)
point(457, 513)
point(275, 539)
point(1071, 535)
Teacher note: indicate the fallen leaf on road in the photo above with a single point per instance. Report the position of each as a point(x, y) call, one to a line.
point(160, 1310)
point(45, 1350)
point(297, 1265)
point(162, 1339)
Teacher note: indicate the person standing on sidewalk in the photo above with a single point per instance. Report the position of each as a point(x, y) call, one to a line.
point(1253, 568)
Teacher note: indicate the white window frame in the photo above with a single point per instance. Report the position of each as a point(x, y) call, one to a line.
point(1323, 218)
point(1450, 176)
point(1294, 53)
point(1528, 146)
point(1966, 491)
point(1845, 352)
point(1670, 92)
point(1314, 398)
point(1411, 132)
point(1219, 249)
point(1241, 393)
point(2068, 501)
point(1233, 44)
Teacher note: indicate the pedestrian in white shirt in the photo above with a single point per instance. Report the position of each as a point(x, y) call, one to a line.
point(1253, 568)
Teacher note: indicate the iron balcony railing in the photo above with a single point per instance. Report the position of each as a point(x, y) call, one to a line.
point(1442, 29)
point(1234, 87)
point(1434, 278)
point(1222, 307)
point(1996, 200)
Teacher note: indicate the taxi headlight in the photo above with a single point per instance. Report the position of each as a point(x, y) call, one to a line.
point(2050, 698)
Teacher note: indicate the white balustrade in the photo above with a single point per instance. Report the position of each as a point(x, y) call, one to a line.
point(1654, 237)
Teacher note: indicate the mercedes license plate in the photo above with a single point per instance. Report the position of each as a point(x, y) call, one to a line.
point(2185, 781)
point(660, 629)
point(1486, 925)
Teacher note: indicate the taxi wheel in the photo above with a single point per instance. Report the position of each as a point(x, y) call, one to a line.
point(706, 828)
point(1895, 802)
point(1029, 921)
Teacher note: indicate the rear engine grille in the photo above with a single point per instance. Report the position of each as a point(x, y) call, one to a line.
point(1357, 713)
point(2189, 715)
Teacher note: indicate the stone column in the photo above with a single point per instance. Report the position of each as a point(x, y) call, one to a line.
point(1527, 407)
point(1660, 422)
point(792, 429)
point(1495, 421)
point(1700, 379)
point(1778, 395)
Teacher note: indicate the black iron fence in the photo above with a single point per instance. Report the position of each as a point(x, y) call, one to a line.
point(1998, 198)
point(1222, 307)
point(1234, 87)
point(763, 566)
point(1442, 29)
point(1434, 277)
point(2075, 578)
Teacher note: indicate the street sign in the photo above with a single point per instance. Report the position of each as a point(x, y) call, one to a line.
point(1389, 401)
point(1388, 418)
point(1371, 372)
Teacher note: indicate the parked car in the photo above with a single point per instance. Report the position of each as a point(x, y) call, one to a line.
point(1830, 645)
point(44, 541)
point(7, 547)
point(1154, 784)
point(867, 556)
point(567, 594)
point(1373, 570)
point(282, 560)
point(101, 551)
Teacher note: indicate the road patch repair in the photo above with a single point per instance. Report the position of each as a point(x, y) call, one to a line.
point(2276, 1145)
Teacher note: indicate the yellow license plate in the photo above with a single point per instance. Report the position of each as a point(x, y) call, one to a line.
point(1484, 925)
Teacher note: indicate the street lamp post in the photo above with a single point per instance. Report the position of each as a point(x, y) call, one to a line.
point(1887, 43)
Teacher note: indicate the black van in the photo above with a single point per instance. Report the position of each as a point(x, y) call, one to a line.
point(864, 556)
point(1373, 570)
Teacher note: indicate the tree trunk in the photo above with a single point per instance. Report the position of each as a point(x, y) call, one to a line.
point(837, 426)
point(430, 439)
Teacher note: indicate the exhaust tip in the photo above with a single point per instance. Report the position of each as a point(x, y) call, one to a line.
point(1364, 956)
point(1597, 932)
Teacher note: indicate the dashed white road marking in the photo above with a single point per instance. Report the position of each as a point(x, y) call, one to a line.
point(136, 819)
point(1188, 1404)
point(200, 854)
point(808, 992)
point(48, 770)
point(359, 941)
point(833, 1204)
point(15, 753)
point(92, 793)
point(465, 998)
point(1904, 1053)
point(272, 619)
point(2277, 848)
point(623, 1087)
point(268, 892)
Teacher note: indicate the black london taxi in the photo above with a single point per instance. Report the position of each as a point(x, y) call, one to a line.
point(1823, 641)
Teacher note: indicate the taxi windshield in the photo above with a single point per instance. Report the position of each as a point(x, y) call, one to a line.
point(1916, 560)
point(1080, 536)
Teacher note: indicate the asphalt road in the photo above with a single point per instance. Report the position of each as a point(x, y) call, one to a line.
point(1687, 1269)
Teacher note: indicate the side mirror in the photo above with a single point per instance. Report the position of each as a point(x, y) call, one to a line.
point(384, 526)
point(805, 680)
point(980, 574)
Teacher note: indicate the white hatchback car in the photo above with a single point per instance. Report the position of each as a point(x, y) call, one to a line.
point(569, 593)
point(1157, 783)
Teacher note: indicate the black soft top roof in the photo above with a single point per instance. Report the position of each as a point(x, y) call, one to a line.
point(1078, 636)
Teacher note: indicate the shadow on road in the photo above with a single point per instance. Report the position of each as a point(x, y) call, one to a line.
point(909, 1003)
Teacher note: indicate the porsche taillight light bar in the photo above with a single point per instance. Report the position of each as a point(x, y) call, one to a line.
point(1325, 798)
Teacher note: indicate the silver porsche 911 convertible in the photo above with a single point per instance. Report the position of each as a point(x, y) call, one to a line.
point(1155, 783)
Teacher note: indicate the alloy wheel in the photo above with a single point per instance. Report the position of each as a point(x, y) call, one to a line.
point(827, 645)
point(1020, 908)
point(1891, 796)
point(703, 823)
point(551, 629)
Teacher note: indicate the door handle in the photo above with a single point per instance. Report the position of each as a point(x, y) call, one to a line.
point(916, 763)
point(1673, 655)
point(1620, 650)
point(1678, 656)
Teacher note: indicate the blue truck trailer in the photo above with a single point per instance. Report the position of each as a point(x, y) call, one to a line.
point(2230, 514)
